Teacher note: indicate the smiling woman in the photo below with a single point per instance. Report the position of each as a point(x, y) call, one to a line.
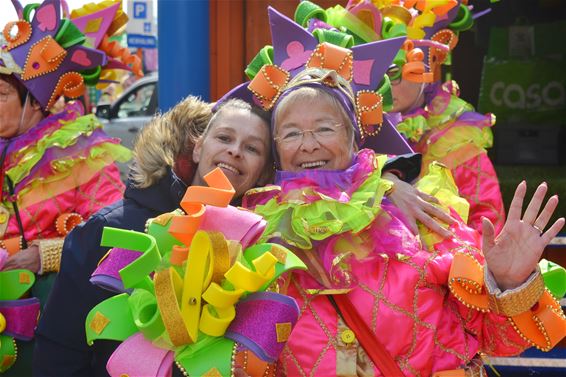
point(236, 140)
point(313, 111)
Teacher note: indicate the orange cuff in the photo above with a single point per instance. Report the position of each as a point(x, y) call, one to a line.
point(543, 325)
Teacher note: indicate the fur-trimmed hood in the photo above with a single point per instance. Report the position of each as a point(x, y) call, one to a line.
point(168, 138)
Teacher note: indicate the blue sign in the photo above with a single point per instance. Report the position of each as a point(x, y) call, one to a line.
point(140, 10)
point(143, 41)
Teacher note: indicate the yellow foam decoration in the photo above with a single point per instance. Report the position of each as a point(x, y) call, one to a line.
point(197, 276)
point(99, 322)
point(244, 278)
point(216, 325)
point(93, 26)
point(415, 31)
point(221, 298)
point(283, 330)
point(440, 184)
point(209, 254)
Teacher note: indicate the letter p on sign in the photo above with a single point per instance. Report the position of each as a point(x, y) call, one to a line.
point(140, 10)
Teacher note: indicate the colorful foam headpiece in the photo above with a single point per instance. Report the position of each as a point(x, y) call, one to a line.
point(351, 75)
point(431, 28)
point(54, 56)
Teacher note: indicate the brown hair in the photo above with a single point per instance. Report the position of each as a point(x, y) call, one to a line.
point(167, 137)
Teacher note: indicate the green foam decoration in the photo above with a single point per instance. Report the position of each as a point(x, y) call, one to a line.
point(386, 93)
point(391, 29)
point(91, 76)
point(554, 276)
point(120, 324)
point(162, 236)
point(208, 353)
point(136, 274)
point(28, 9)
point(10, 286)
point(69, 34)
point(145, 313)
point(337, 38)
point(307, 10)
point(7, 349)
point(263, 57)
point(463, 20)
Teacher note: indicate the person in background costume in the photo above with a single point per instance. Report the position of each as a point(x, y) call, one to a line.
point(56, 169)
point(433, 119)
point(374, 301)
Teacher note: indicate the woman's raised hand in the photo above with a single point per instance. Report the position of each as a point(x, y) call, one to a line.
point(513, 255)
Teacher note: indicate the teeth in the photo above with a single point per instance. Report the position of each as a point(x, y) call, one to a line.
point(229, 168)
point(315, 164)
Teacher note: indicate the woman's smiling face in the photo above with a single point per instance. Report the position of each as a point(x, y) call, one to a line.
point(238, 143)
point(311, 132)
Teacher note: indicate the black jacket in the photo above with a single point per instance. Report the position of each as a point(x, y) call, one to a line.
point(60, 344)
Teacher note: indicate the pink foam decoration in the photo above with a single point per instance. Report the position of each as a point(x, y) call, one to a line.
point(80, 57)
point(107, 15)
point(297, 56)
point(21, 317)
point(368, 6)
point(3, 257)
point(136, 356)
point(236, 224)
point(116, 64)
point(46, 17)
point(362, 71)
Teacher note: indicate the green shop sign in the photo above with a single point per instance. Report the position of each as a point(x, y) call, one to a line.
point(524, 90)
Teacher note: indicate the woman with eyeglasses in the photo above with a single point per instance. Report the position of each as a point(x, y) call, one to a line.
point(430, 115)
point(374, 301)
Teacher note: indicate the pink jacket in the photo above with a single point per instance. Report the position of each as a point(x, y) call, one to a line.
point(449, 131)
point(39, 219)
point(404, 299)
point(64, 164)
point(400, 289)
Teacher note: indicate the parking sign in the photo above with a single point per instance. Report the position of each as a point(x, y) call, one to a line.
point(140, 29)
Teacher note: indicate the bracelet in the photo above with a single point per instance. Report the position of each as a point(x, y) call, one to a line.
point(514, 302)
point(50, 254)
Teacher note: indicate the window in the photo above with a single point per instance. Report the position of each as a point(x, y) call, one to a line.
point(137, 103)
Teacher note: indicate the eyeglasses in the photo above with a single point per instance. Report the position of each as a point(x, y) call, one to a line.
point(293, 138)
point(394, 73)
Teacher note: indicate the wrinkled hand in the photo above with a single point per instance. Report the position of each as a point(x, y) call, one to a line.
point(416, 205)
point(25, 259)
point(514, 254)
